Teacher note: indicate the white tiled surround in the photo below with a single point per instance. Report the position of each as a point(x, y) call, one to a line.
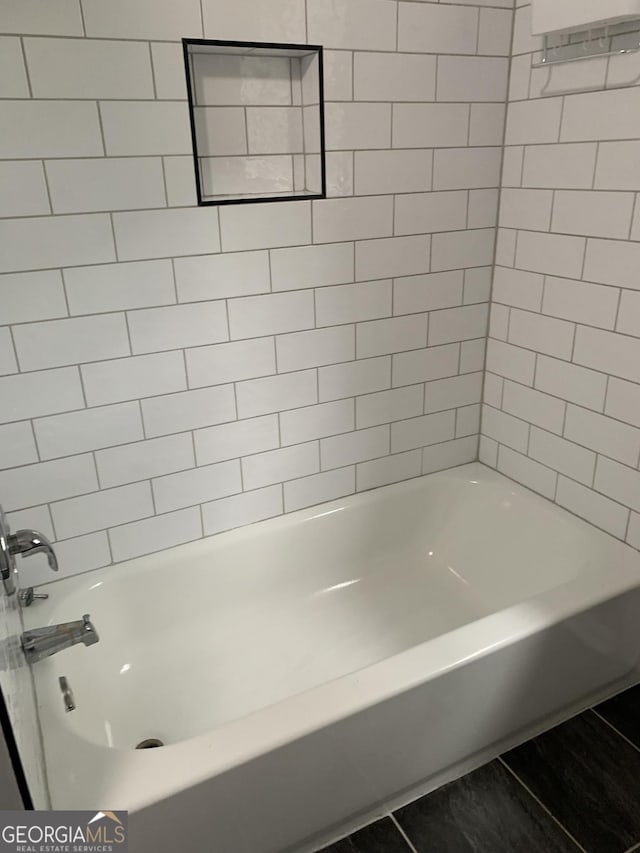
point(171, 371)
point(562, 394)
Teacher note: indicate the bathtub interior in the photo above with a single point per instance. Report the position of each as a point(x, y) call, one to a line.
point(211, 632)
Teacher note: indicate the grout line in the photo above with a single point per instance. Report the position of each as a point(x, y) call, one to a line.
point(84, 26)
point(540, 803)
point(614, 729)
point(26, 67)
point(634, 848)
point(402, 832)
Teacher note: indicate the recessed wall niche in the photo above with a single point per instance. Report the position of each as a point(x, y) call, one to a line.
point(257, 120)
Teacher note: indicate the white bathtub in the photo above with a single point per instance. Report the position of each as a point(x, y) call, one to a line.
point(305, 669)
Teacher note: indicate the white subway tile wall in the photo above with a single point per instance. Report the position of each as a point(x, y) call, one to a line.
point(562, 393)
point(170, 372)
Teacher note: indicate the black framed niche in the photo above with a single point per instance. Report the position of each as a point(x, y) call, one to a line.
point(257, 120)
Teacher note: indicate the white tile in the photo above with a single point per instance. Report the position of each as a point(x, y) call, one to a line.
point(394, 77)
point(418, 293)
point(79, 68)
point(633, 535)
point(487, 124)
point(32, 394)
point(386, 406)
point(155, 534)
point(394, 256)
point(629, 314)
point(523, 39)
point(102, 509)
point(276, 393)
point(528, 209)
point(379, 337)
point(618, 166)
point(352, 219)
point(230, 362)
point(622, 69)
point(580, 301)
point(427, 125)
point(391, 469)
point(315, 348)
point(483, 208)
point(533, 406)
point(54, 241)
point(472, 78)
point(533, 122)
point(232, 80)
point(594, 214)
point(466, 168)
point(240, 438)
point(207, 277)
point(603, 434)
point(143, 19)
point(23, 191)
point(115, 287)
point(319, 488)
point(196, 486)
point(274, 130)
point(338, 75)
point(506, 247)
point(163, 233)
point(472, 248)
point(352, 447)
point(90, 429)
point(47, 481)
point(177, 326)
point(353, 302)
point(425, 364)
point(168, 70)
point(488, 451)
point(494, 36)
point(59, 342)
point(263, 226)
point(312, 422)
point(17, 446)
point(562, 456)
point(312, 266)
point(554, 254)
point(75, 556)
point(457, 324)
point(453, 392)
point(427, 28)
point(152, 127)
point(131, 378)
point(422, 213)
point(356, 377)
point(339, 173)
point(608, 352)
point(553, 166)
point(581, 119)
point(523, 470)
point(188, 410)
point(498, 322)
point(612, 262)
point(623, 400)
point(517, 288)
point(357, 25)
point(79, 186)
point(422, 431)
point(32, 296)
point(477, 284)
point(449, 454)
point(392, 171)
point(593, 507)
point(180, 181)
point(34, 518)
point(221, 130)
point(492, 391)
point(543, 334)
point(8, 362)
point(276, 466)
point(510, 361)
point(144, 459)
point(279, 21)
point(253, 316)
point(241, 509)
point(585, 74)
point(32, 16)
point(512, 162)
point(570, 382)
point(357, 125)
point(618, 482)
point(468, 421)
point(505, 429)
point(49, 129)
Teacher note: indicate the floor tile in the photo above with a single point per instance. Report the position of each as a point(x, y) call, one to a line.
point(379, 837)
point(487, 811)
point(589, 778)
point(623, 712)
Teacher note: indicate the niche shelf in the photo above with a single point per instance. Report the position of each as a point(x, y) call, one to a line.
point(257, 120)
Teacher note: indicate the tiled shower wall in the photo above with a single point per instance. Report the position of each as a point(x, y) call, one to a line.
point(562, 395)
point(172, 371)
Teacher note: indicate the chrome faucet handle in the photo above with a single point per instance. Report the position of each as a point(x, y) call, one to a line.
point(29, 542)
point(7, 560)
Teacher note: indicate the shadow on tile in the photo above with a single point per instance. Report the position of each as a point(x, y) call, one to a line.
point(623, 712)
point(379, 837)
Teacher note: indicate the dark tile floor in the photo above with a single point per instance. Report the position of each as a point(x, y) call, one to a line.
point(574, 788)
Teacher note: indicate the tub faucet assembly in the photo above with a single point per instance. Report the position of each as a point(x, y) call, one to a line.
point(42, 642)
point(25, 543)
